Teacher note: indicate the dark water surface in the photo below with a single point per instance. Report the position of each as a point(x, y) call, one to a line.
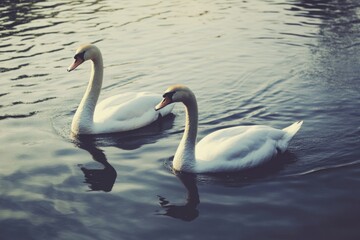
point(249, 62)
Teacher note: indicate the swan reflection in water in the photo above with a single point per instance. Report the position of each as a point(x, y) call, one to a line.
point(104, 179)
point(187, 211)
point(97, 179)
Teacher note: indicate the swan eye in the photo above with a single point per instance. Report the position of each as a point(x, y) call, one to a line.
point(80, 55)
point(169, 95)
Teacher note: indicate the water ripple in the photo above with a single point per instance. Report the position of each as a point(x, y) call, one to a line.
point(18, 115)
point(21, 14)
point(29, 76)
point(31, 55)
point(325, 168)
point(2, 69)
point(34, 102)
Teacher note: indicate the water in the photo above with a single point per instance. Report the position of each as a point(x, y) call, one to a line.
point(249, 62)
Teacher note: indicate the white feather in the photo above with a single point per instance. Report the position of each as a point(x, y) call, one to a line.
point(239, 148)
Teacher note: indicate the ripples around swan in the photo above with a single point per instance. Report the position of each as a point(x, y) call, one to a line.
point(249, 62)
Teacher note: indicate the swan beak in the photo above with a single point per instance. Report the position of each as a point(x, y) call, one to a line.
point(166, 101)
point(75, 64)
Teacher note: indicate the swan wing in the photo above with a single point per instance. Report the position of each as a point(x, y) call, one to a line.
point(237, 147)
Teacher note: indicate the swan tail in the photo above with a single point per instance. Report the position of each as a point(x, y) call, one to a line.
point(292, 130)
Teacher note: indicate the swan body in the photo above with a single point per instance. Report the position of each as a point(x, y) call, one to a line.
point(119, 113)
point(225, 150)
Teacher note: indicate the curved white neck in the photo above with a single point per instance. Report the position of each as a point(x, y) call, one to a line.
point(184, 159)
point(83, 118)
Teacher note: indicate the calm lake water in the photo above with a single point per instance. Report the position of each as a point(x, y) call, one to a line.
point(249, 62)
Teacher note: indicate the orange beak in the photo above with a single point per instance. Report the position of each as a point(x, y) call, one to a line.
point(166, 101)
point(75, 64)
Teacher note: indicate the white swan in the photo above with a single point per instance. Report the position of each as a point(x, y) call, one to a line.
point(116, 113)
point(225, 150)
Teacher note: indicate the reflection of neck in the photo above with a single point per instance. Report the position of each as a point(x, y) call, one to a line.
point(83, 119)
point(184, 159)
point(189, 181)
point(98, 179)
point(188, 211)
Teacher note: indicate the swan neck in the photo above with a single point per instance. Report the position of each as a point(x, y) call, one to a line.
point(191, 123)
point(83, 119)
point(184, 159)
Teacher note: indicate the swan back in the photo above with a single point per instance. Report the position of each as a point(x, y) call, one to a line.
point(237, 148)
point(128, 111)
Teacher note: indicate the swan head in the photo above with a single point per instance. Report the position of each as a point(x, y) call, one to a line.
point(82, 54)
point(176, 93)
